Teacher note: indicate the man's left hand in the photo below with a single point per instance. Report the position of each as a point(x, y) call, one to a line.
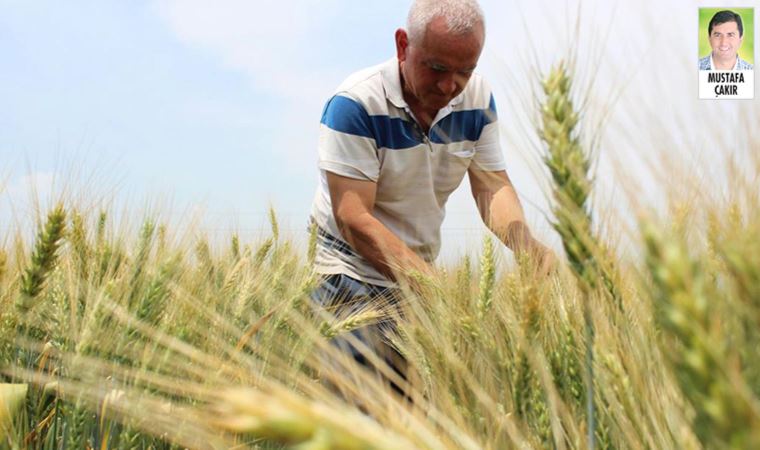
point(546, 262)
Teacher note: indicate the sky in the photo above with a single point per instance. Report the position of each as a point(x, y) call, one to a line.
point(212, 108)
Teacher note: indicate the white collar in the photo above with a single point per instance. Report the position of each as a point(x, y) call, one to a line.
point(712, 64)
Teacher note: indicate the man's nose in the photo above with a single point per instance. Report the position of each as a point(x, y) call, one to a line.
point(447, 85)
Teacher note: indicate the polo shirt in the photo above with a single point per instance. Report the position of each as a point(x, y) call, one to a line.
point(367, 132)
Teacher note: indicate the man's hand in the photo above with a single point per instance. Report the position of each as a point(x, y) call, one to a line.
point(501, 211)
point(545, 261)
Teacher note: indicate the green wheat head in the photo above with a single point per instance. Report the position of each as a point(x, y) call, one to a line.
point(727, 414)
point(569, 168)
point(44, 258)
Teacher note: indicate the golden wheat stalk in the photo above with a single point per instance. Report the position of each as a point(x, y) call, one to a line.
point(289, 418)
point(569, 166)
point(350, 323)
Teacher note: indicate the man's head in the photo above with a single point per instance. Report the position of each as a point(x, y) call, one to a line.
point(725, 31)
point(439, 50)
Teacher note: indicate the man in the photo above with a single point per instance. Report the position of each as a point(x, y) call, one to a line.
point(395, 141)
point(725, 32)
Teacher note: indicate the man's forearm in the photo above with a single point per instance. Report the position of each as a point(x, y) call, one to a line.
point(504, 216)
point(380, 247)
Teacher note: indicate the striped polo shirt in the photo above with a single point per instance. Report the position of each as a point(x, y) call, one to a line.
point(367, 132)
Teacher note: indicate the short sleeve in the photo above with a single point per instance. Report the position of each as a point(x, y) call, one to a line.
point(488, 154)
point(346, 142)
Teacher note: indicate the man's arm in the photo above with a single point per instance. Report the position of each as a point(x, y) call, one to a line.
point(352, 203)
point(501, 211)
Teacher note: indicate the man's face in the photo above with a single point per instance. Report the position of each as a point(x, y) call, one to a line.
point(436, 69)
point(725, 40)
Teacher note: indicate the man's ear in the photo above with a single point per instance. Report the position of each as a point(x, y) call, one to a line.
point(402, 43)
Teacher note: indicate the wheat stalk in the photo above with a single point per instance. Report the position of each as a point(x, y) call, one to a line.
point(205, 260)
point(569, 166)
point(3, 264)
point(311, 252)
point(487, 277)
point(286, 417)
point(350, 323)
point(263, 251)
point(78, 239)
point(12, 398)
point(235, 247)
point(274, 224)
point(44, 258)
point(140, 262)
point(727, 414)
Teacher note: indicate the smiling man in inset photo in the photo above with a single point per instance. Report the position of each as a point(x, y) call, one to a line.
point(725, 33)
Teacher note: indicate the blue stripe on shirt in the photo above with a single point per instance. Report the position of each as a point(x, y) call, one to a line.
point(463, 125)
point(348, 116)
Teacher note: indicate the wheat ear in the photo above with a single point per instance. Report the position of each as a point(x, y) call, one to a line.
point(44, 258)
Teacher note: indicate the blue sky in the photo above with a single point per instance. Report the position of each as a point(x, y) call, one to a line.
point(167, 112)
point(218, 103)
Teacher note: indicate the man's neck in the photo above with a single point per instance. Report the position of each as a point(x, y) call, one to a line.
point(424, 117)
point(725, 64)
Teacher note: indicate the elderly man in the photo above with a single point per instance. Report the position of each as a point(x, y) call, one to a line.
point(395, 141)
point(725, 32)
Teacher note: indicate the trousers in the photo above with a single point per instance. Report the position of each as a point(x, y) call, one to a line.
point(342, 296)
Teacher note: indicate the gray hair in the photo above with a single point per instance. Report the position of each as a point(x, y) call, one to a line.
point(461, 16)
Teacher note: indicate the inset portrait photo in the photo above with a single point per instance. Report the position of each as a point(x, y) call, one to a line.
point(726, 53)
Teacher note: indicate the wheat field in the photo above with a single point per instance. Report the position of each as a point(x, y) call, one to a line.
point(114, 337)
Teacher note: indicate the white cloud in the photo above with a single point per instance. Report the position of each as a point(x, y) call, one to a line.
point(282, 47)
point(273, 42)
